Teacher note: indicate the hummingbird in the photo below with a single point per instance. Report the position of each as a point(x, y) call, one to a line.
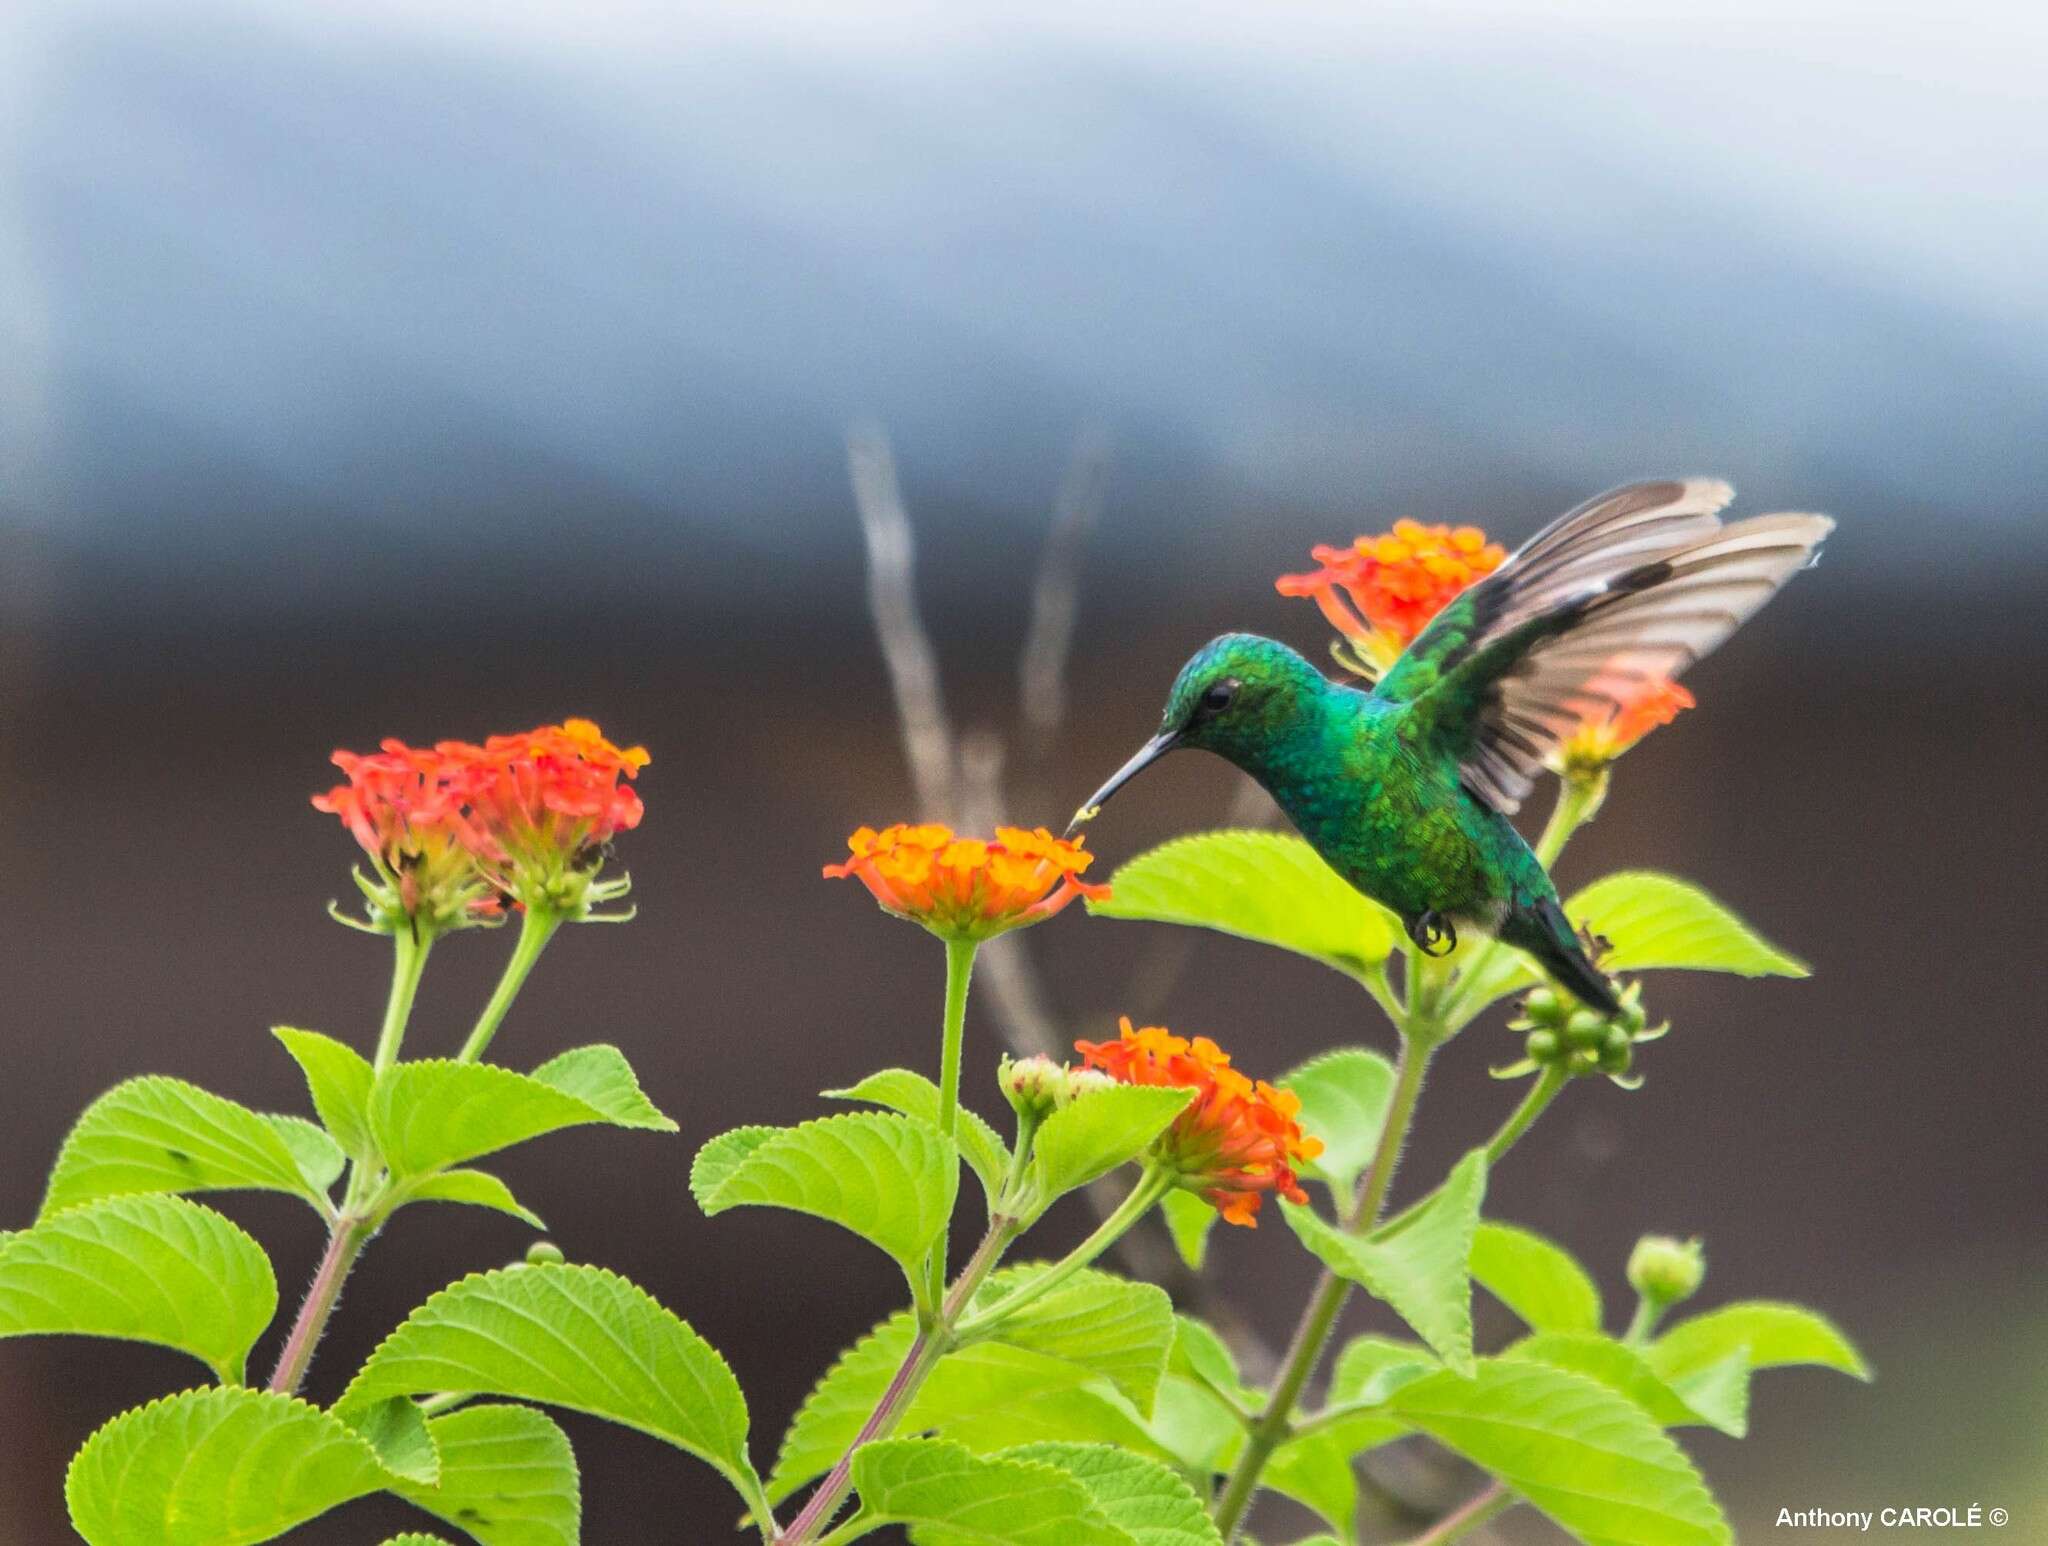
point(1405, 788)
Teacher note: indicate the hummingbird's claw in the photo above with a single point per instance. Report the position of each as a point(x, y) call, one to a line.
point(1434, 934)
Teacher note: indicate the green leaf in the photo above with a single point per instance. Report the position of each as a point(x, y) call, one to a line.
point(993, 1394)
point(916, 1096)
point(431, 1114)
point(1120, 1330)
point(1099, 1132)
point(215, 1468)
point(164, 1135)
point(1344, 1096)
point(1774, 1334)
point(397, 1430)
point(1538, 1280)
point(414, 1538)
point(147, 1269)
point(339, 1079)
point(1140, 1497)
point(508, 1478)
point(1189, 1218)
point(1652, 920)
point(951, 1497)
point(1317, 1472)
point(890, 1179)
point(1193, 1427)
point(318, 1156)
point(1200, 1354)
point(476, 1187)
point(1371, 1369)
point(1592, 1460)
point(1622, 1369)
point(1260, 886)
point(1419, 1264)
point(571, 1336)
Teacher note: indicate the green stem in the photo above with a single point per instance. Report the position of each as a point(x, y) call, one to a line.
point(1467, 1517)
point(1319, 1318)
point(959, 972)
point(536, 928)
point(1541, 1094)
point(1643, 1322)
point(409, 961)
point(1154, 1184)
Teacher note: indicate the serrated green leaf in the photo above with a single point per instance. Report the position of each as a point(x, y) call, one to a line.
point(338, 1078)
point(1774, 1334)
point(318, 1156)
point(1100, 1131)
point(476, 1187)
point(397, 1430)
point(1118, 1329)
point(215, 1468)
point(1371, 1369)
point(414, 1538)
point(154, 1135)
point(1344, 1096)
point(1140, 1497)
point(719, 1158)
point(571, 1336)
point(992, 1394)
point(1592, 1460)
point(428, 1115)
point(916, 1096)
point(1536, 1278)
point(1651, 920)
point(1200, 1354)
point(143, 1268)
point(1262, 886)
point(1624, 1370)
point(508, 1478)
point(1192, 1427)
point(950, 1497)
point(890, 1179)
point(1420, 1264)
point(1189, 1218)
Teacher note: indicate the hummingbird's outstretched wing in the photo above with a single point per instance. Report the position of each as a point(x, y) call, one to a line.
point(1629, 588)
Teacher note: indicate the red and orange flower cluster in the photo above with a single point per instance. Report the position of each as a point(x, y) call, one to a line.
point(1237, 1140)
point(968, 888)
point(457, 831)
point(1381, 591)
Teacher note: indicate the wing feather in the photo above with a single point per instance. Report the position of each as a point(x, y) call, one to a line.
point(1626, 590)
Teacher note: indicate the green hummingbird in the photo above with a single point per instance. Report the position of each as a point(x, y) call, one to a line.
point(1405, 788)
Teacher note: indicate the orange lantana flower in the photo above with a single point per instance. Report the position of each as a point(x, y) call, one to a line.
point(405, 806)
point(1606, 732)
point(1381, 592)
point(964, 887)
point(1237, 1140)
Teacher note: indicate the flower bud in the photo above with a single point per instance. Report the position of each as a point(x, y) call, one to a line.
point(1034, 1086)
point(1585, 1029)
point(1542, 1046)
point(1667, 1271)
point(544, 1253)
point(1542, 1006)
point(1616, 1051)
point(1086, 1081)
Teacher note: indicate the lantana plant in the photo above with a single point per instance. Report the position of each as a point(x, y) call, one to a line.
point(1019, 1398)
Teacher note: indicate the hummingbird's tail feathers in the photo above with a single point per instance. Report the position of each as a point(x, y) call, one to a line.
point(1546, 934)
point(1625, 592)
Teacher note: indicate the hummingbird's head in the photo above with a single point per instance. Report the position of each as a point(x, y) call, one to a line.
point(1234, 697)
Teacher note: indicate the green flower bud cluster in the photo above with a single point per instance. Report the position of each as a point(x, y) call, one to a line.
point(1565, 1034)
point(1036, 1086)
point(1667, 1271)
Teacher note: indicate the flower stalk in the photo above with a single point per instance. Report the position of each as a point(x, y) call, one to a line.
point(536, 928)
point(953, 1032)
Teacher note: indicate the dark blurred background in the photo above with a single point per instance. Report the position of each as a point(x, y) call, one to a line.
point(438, 370)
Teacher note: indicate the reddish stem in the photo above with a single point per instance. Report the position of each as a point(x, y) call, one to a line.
point(344, 1245)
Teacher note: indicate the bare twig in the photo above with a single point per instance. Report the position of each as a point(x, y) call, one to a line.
point(1042, 664)
point(892, 597)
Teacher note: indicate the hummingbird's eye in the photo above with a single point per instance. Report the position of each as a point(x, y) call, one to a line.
point(1216, 697)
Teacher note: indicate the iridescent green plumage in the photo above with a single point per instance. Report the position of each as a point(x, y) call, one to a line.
point(1406, 789)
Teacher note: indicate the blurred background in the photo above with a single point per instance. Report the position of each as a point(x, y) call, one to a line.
point(435, 370)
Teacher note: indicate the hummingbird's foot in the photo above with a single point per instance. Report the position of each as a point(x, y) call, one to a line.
point(1434, 934)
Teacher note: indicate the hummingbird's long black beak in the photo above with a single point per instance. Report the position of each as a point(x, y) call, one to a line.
point(1147, 754)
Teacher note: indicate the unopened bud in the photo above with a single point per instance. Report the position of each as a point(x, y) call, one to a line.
point(1086, 1081)
point(1542, 1046)
point(1035, 1086)
point(544, 1253)
point(1542, 1006)
point(1667, 1271)
point(1585, 1029)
